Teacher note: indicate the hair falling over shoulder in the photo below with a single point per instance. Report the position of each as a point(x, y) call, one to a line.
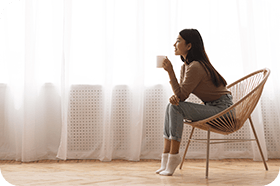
point(197, 53)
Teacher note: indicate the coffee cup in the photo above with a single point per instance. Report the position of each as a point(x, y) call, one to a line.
point(160, 60)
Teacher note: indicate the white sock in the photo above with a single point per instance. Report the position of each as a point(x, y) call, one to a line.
point(164, 158)
point(172, 163)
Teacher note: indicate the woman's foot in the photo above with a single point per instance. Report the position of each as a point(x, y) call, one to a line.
point(172, 163)
point(164, 158)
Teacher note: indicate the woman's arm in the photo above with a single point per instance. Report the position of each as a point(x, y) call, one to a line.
point(167, 65)
point(193, 75)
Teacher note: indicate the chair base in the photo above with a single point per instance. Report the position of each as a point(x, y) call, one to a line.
point(218, 141)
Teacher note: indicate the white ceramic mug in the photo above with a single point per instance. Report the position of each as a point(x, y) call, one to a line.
point(160, 60)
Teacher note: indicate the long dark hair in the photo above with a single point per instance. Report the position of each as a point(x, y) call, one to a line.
point(197, 53)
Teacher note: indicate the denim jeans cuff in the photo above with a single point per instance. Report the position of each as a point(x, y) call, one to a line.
point(172, 138)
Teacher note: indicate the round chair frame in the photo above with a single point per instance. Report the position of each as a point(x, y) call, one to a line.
point(246, 94)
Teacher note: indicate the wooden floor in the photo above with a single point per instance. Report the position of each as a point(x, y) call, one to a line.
point(118, 172)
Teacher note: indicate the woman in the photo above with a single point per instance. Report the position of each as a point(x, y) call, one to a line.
point(199, 77)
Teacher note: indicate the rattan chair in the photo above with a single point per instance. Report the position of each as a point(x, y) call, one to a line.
point(246, 94)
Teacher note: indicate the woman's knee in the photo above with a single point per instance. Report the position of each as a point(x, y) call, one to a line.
point(173, 108)
point(169, 105)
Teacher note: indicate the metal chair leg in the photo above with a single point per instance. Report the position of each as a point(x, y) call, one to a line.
point(208, 151)
point(189, 141)
point(258, 143)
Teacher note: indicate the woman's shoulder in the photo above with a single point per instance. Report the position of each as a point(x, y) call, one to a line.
point(195, 65)
point(195, 68)
point(192, 64)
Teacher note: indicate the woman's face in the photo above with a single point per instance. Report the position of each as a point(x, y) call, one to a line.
point(181, 48)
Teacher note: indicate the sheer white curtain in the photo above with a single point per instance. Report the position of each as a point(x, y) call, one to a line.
point(30, 80)
point(78, 77)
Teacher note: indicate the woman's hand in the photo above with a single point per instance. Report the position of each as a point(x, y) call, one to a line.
point(167, 65)
point(169, 68)
point(174, 100)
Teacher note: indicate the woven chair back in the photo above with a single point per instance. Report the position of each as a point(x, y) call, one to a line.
point(246, 93)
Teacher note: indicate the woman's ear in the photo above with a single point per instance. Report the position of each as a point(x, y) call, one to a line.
point(189, 46)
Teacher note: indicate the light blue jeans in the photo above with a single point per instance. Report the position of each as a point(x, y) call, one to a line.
point(174, 115)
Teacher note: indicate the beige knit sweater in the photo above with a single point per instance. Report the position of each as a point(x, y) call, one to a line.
point(194, 79)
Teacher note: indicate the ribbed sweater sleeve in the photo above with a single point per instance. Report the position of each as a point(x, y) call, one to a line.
point(189, 80)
